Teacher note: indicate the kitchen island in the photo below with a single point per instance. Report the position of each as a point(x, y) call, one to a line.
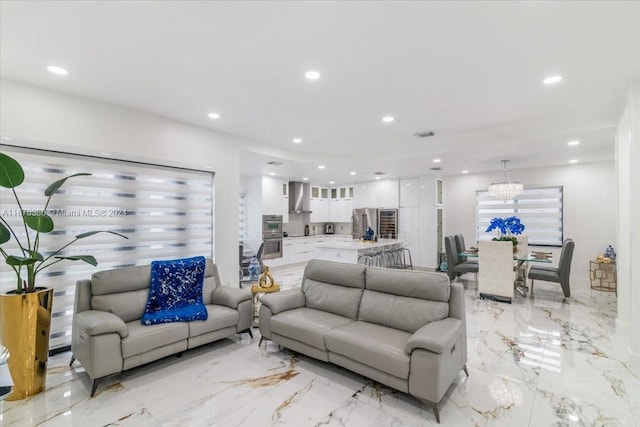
point(351, 251)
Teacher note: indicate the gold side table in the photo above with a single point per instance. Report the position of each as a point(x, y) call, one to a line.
point(604, 276)
point(256, 290)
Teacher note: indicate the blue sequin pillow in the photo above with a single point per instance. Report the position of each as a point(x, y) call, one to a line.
point(175, 294)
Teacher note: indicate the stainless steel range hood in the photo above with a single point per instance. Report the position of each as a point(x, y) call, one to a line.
point(299, 197)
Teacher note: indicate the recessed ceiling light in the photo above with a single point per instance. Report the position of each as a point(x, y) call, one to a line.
point(332, 182)
point(573, 161)
point(551, 80)
point(436, 160)
point(209, 167)
point(57, 70)
point(320, 166)
point(388, 119)
point(297, 140)
point(214, 115)
point(352, 173)
point(272, 173)
point(573, 142)
point(106, 154)
point(377, 177)
point(305, 179)
point(312, 75)
point(465, 171)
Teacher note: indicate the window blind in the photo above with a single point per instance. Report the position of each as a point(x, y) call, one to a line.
point(165, 212)
point(539, 209)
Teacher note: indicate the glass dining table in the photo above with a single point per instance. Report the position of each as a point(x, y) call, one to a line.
point(520, 263)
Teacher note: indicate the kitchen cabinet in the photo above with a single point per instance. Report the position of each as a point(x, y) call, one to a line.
point(409, 192)
point(275, 197)
point(377, 194)
point(319, 204)
point(341, 204)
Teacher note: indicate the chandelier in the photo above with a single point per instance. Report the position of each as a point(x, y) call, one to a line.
point(505, 190)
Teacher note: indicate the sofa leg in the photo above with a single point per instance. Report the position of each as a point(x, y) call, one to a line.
point(94, 386)
point(466, 371)
point(73, 359)
point(247, 331)
point(436, 412)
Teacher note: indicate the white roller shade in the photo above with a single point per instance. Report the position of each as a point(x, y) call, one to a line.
point(539, 209)
point(165, 212)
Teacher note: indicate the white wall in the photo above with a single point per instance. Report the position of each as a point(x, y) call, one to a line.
point(590, 201)
point(628, 215)
point(79, 125)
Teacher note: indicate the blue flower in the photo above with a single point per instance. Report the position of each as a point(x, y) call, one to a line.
point(507, 226)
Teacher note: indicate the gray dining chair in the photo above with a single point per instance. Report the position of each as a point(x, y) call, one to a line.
point(460, 247)
point(455, 267)
point(560, 274)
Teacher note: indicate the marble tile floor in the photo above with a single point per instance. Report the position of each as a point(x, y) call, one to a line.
point(540, 361)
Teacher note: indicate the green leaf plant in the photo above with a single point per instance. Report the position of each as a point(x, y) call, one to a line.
point(29, 262)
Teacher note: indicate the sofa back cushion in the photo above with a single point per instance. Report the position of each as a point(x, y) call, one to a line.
point(336, 299)
point(334, 287)
point(124, 291)
point(349, 275)
point(405, 300)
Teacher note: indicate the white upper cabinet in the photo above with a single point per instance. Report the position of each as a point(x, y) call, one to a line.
point(409, 192)
point(319, 204)
point(388, 194)
point(275, 197)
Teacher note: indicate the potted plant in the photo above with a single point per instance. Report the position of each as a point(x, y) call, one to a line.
point(508, 227)
point(25, 312)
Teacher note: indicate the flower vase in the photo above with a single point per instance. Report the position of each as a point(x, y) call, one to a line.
point(254, 268)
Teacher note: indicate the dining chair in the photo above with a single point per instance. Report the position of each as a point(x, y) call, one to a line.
point(455, 267)
point(460, 247)
point(558, 274)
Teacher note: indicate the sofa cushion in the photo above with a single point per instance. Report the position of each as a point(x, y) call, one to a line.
point(404, 313)
point(409, 283)
point(126, 305)
point(143, 338)
point(306, 325)
point(350, 275)
point(373, 345)
point(337, 299)
point(219, 317)
point(121, 280)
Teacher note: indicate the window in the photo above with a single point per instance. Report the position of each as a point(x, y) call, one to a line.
point(165, 212)
point(539, 209)
point(243, 218)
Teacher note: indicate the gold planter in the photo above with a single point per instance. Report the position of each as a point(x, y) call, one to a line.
point(25, 321)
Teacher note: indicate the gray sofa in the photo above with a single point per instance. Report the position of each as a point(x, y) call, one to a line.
point(405, 329)
point(108, 337)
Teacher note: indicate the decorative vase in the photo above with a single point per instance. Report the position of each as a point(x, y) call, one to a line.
point(254, 268)
point(25, 321)
point(610, 253)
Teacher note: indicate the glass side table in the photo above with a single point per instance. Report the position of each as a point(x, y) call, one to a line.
point(604, 276)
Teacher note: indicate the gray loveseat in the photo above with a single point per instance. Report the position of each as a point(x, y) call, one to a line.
point(108, 337)
point(405, 329)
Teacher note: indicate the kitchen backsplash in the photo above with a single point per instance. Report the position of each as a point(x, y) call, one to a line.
point(295, 226)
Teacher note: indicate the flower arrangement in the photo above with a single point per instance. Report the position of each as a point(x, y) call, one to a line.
point(508, 228)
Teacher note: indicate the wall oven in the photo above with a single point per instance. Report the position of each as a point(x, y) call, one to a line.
point(272, 236)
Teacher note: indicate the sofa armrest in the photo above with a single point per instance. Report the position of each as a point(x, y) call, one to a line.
point(229, 297)
point(437, 336)
point(285, 300)
point(96, 322)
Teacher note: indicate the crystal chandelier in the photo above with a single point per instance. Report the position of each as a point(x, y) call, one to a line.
point(505, 190)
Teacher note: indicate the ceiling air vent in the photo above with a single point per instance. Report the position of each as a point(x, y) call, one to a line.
point(272, 163)
point(436, 169)
point(379, 173)
point(424, 134)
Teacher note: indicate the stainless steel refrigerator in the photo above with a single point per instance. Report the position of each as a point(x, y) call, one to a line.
point(384, 222)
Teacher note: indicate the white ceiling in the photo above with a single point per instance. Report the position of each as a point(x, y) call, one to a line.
point(469, 71)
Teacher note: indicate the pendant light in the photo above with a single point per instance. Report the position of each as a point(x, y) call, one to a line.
point(505, 190)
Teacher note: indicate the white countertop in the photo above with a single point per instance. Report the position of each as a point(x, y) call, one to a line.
point(356, 245)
